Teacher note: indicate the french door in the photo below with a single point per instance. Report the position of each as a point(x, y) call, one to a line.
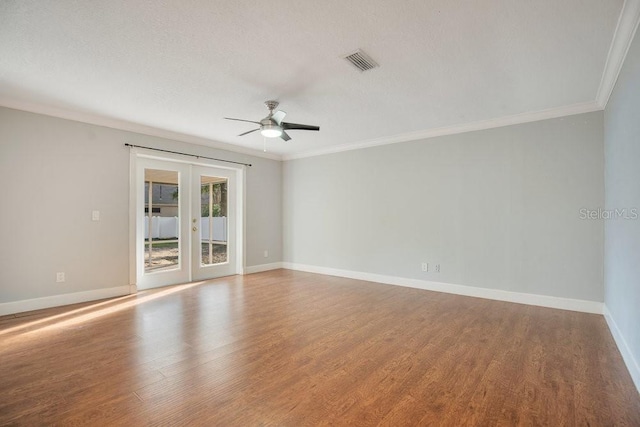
point(186, 222)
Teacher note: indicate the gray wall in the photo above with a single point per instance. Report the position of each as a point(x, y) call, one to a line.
point(622, 185)
point(61, 170)
point(498, 208)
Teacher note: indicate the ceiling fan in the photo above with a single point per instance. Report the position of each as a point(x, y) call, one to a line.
point(272, 126)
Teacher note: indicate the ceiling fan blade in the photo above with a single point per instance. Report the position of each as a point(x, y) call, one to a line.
point(252, 130)
point(241, 120)
point(284, 136)
point(296, 126)
point(278, 116)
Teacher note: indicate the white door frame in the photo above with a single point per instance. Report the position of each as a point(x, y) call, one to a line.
point(134, 229)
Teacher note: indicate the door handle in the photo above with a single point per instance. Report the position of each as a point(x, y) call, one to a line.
point(195, 228)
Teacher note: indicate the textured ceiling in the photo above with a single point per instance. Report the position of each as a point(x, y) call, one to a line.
point(182, 66)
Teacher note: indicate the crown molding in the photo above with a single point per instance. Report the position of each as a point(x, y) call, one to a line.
point(622, 38)
point(94, 119)
point(515, 119)
point(118, 124)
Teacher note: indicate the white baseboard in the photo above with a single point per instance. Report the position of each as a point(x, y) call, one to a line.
point(632, 364)
point(471, 291)
point(262, 267)
point(63, 299)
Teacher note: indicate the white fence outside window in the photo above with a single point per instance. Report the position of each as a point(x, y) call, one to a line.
point(166, 227)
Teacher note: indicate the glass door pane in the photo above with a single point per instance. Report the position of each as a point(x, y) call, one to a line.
point(161, 220)
point(214, 233)
point(162, 223)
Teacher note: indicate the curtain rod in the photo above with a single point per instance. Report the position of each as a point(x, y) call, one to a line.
point(186, 154)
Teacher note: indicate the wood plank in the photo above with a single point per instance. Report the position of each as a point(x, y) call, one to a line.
point(294, 348)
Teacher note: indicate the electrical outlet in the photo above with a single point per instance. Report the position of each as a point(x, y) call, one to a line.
point(266, 254)
point(60, 277)
point(95, 215)
point(425, 266)
point(437, 268)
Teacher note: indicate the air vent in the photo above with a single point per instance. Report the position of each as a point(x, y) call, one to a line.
point(361, 60)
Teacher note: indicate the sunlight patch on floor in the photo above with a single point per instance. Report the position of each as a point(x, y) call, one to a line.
point(78, 316)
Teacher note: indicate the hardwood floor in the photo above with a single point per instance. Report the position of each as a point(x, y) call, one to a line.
point(290, 349)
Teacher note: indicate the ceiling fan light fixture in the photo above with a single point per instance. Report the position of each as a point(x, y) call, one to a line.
point(271, 130)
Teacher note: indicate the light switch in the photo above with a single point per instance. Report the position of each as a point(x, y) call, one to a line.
point(95, 216)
